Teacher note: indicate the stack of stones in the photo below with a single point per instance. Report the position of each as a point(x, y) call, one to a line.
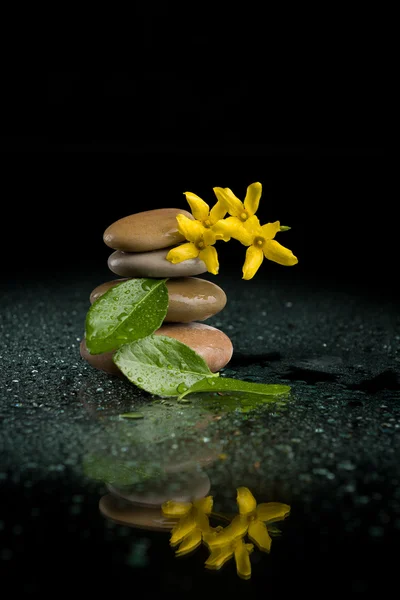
point(141, 243)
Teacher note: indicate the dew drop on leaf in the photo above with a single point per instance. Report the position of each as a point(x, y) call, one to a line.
point(140, 379)
point(182, 387)
point(169, 367)
point(210, 381)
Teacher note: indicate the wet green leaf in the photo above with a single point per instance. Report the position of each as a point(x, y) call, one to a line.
point(128, 311)
point(226, 384)
point(162, 365)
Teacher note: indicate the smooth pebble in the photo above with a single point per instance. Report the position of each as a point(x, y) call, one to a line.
point(145, 231)
point(189, 298)
point(153, 264)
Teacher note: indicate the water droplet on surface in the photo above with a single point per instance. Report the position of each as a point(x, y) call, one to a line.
point(182, 387)
point(210, 381)
point(169, 367)
point(140, 379)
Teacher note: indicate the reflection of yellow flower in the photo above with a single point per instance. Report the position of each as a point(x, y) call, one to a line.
point(201, 211)
point(260, 239)
point(240, 211)
point(193, 522)
point(237, 548)
point(201, 244)
point(252, 519)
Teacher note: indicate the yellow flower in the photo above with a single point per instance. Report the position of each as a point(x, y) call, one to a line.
point(193, 522)
point(260, 239)
point(241, 211)
point(201, 211)
point(252, 519)
point(200, 244)
point(237, 548)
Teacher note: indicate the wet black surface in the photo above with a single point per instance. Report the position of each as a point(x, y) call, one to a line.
point(330, 451)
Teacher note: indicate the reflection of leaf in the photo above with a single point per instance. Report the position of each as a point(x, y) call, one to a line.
point(161, 365)
point(227, 384)
point(244, 402)
point(109, 469)
point(126, 312)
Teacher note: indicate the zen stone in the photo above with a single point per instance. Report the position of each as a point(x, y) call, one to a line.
point(145, 231)
point(189, 298)
point(153, 264)
point(211, 343)
point(103, 362)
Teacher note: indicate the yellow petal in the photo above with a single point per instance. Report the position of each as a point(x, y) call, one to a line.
point(269, 230)
point(175, 509)
point(189, 543)
point(199, 208)
point(210, 257)
point(269, 512)
point(185, 526)
point(218, 557)
point(217, 212)
point(252, 199)
point(182, 252)
point(233, 205)
point(258, 534)
point(237, 528)
point(279, 254)
point(202, 521)
point(253, 226)
point(221, 230)
point(233, 227)
point(209, 237)
point(254, 258)
point(204, 504)
point(245, 500)
point(242, 559)
point(192, 230)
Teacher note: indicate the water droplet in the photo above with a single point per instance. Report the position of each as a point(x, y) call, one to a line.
point(140, 378)
point(182, 387)
point(146, 287)
point(169, 367)
point(127, 291)
point(211, 381)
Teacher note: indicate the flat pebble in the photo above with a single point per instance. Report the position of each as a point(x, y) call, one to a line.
point(153, 264)
point(189, 298)
point(209, 342)
point(145, 231)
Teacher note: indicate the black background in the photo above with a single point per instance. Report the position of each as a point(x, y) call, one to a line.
point(111, 143)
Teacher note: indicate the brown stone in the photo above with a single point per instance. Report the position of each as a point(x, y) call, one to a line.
point(209, 342)
point(103, 362)
point(145, 231)
point(189, 298)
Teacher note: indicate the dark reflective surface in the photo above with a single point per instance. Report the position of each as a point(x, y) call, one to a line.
point(82, 486)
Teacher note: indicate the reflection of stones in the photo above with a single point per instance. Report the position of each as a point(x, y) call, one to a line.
point(125, 513)
point(180, 486)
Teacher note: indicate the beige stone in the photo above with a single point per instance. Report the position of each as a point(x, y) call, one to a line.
point(145, 231)
point(153, 264)
point(189, 298)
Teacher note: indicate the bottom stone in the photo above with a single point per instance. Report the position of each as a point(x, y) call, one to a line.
point(209, 342)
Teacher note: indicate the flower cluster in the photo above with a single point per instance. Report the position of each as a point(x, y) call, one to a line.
point(255, 521)
point(242, 224)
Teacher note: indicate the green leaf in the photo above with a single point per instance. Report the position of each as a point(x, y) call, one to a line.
point(162, 365)
point(126, 312)
point(285, 228)
point(226, 384)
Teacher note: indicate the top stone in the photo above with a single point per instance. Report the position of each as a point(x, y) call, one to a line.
point(145, 231)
